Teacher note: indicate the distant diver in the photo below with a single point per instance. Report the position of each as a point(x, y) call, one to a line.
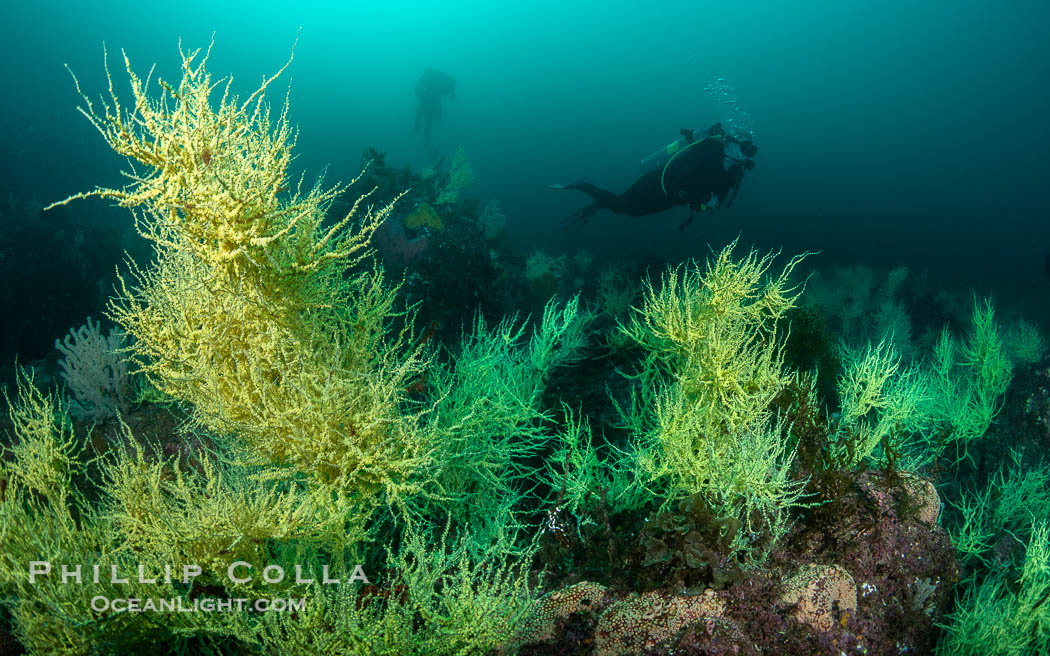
point(702, 170)
point(431, 89)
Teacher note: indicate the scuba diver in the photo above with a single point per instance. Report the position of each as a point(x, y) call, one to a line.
point(700, 170)
point(431, 89)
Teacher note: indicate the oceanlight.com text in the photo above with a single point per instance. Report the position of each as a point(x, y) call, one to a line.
point(101, 604)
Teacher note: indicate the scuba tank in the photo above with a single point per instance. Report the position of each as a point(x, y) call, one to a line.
point(660, 158)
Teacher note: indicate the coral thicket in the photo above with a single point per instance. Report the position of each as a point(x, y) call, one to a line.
point(692, 482)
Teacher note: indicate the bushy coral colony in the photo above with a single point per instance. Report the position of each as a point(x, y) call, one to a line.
point(661, 466)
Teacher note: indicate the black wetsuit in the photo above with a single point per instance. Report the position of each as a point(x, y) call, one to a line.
point(433, 86)
point(690, 179)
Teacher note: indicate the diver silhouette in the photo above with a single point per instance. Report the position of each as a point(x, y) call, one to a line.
point(700, 170)
point(431, 89)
